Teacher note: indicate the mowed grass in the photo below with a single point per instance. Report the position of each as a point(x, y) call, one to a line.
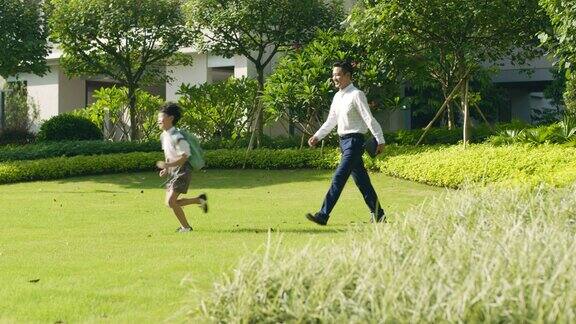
point(103, 248)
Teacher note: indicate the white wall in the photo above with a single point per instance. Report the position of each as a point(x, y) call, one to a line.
point(539, 71)
point(44, 92)
point(195, 74)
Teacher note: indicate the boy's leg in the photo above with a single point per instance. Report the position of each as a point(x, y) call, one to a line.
point(189, 201)
point(201, 200)
point(172, 202)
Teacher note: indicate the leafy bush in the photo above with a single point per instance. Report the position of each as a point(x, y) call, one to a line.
point(491, 256)
point(218, 110)
point(44, 150)
point(300, 91)
point(437, 136)
point(111, 109)
point(561, 132)
point(66, 127)
point(20, 115)
point(453, 166)
point(21, 112)
point(446, 166)
point(16, 138)
point(63, 167)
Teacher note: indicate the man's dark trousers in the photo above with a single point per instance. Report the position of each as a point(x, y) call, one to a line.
point(352, 148)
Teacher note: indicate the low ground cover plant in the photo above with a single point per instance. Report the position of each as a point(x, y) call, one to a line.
point(489, 255)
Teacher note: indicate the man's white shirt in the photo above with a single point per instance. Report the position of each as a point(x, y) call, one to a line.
point(350, 111)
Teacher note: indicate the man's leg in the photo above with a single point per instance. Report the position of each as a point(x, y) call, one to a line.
point(351, 154)
point(362, 180)
point(172, 202)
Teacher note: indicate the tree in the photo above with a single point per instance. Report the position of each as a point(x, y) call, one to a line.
point(23, 38)
point(560, 41)
point(131, 41)
point(449, 39)
point(259, 29)
point(218, 110)
point(300, 89)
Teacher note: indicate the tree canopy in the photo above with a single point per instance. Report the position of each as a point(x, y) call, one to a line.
point(560, 40)
point(131, 41)
point(259, 29)
point(23, 38)
point(446, 41)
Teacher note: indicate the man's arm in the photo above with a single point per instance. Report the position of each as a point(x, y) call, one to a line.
point(366, 114)
point(371, 122)
point(326, 128)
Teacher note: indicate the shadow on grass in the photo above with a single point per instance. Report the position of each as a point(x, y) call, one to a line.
point(218, 179)
point(249, 230)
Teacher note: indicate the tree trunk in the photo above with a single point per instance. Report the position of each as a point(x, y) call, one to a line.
point(439, 113)
point(466, 126)
point(449, 116)
point(256, 135)
point(132, 108)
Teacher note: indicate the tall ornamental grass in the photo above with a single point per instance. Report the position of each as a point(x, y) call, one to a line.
point(493, 255)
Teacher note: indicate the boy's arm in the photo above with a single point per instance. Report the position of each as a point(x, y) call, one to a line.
point(179, 162)
point(183, 150)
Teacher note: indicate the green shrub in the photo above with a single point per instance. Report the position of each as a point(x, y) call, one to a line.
point(66, 127)
point(44, 150)
point(561, 132)
point(63, 167)
point(437, 136)
point(218, 110)
point(16, 137)
point(20, 111)
point(491, 256)
point(446, 166)
point(111, 108)
point(454, 166)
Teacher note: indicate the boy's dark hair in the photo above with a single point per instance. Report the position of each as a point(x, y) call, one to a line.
point(172, 109)
point(345, 65)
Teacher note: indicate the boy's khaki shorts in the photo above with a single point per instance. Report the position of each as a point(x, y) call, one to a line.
point(180, 179)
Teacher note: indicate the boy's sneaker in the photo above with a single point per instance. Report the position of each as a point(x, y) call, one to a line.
point(183, 229)
point(203, 202)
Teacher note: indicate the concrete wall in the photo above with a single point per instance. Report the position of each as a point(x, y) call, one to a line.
point(534, 70)
point(44, 91)
point(195, 74)
point(71, 93)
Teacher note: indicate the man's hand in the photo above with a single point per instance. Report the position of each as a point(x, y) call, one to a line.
point(161, 165)
point(379, 148)
point(312, 141)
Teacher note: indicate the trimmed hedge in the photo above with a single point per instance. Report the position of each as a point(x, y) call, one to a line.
point(73, 148)
point(446, 166)
point(454, 166)
point(63, 167)
point(272, 159)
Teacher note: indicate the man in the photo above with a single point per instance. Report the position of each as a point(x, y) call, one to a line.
point(350, 111)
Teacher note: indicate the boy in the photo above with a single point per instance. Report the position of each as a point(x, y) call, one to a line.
point(176, 165)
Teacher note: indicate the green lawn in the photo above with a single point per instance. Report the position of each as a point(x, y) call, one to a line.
point(103, 248)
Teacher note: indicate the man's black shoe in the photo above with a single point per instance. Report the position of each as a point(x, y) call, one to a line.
point(379, 219)
point(318, 219)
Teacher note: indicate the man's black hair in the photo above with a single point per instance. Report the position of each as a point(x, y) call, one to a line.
point(172, 109)
point(345, 65)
